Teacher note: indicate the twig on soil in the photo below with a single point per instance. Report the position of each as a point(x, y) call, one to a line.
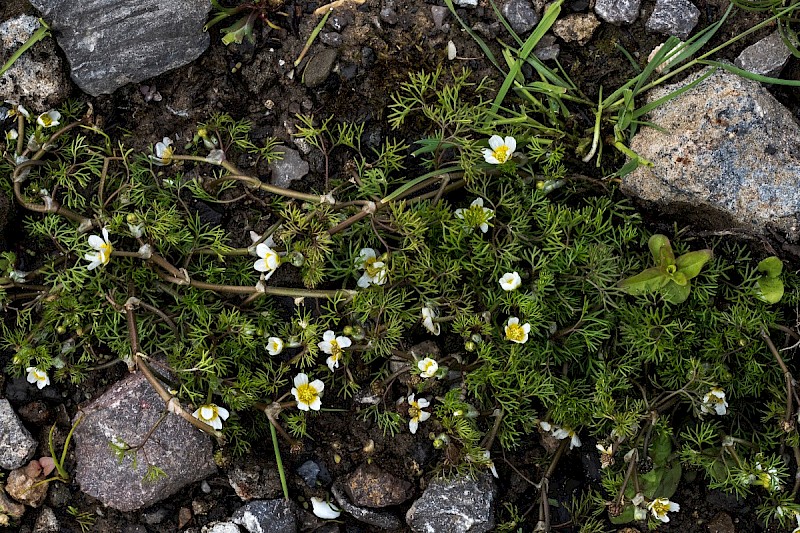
point(337, 3)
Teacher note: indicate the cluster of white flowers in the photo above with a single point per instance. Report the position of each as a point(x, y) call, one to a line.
point(375, 270)
point(562, 433)
point(334, 346)
point(658, 508)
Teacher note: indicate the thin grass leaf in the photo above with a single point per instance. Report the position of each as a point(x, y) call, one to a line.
point(674, 94)
point(749, 75)
point(488, 53)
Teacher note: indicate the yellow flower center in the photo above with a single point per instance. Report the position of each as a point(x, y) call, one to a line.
point(515, 332)
point(426, 367)
point(660, 508)
point(306, 394)
point(369, 266)
point(414, 410)
point(105, 252)
point(46, 120)
point(166, 157)
point(336, 350)
point(501, 154)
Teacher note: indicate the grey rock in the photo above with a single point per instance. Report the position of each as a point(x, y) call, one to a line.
point(378, 519)
point(618, 11)
point(290, 168)
point(16, 444)
point(154, 517)
point(766, 57)
point(576, 27)
point(673, 17)
point(46, 522)
point(37, 79)
point(547, 48)
point(459, 505)
point(221, 527)
point(331, 38)
point(319, 67)
point(438, 13)
point(25, 484)
point(370, 486)
point(466, 3)
point(388, 12)
point(731, 157)
point(314, 473)
point(128, 411)
point(340, 20)
point(254, 481)
point(267, 516)
point(521, 15)
point(110, 43)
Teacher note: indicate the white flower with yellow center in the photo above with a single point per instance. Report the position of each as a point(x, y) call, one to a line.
point(416, 413)
point(323, 509)
point(268, 260)
point(661, 506)
point(428, 314)
point(163, 152)
point(50, 119)
point(374, 270)
point(17, 110)
point(37, 376)
point(274, 345)
point(767, 478)
point(427, 367)
point(11, 135)
point(103, 249)
point(510, 281)
point(307, 394)
point(516, 332)
point(566, 433)
point(714, 402)
point(333, 345)
point(476, 216)
point(500, 150)
point(211, 414)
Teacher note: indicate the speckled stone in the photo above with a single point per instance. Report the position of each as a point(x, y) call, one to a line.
point(730, 157)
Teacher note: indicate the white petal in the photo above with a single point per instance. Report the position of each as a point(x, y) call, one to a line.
point(364, 281)
point(261, 266)
point(513, 320)
point(413, 425)
point(318, 385)
point(316, 404)
point(344, 342)
point(216, 423)
point(422, 402)
point(424, 415)
point(324, 510)
point(325, 346)
point(477, 202)
point(495, 141)
point(332, 363)
point(328, 335)
point(223, 413)
point(95, 242)
point(511, 142)
point(300, 379)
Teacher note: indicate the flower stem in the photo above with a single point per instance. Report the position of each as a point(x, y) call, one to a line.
point(279, 461)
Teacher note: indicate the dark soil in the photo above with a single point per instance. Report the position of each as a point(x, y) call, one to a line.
point(374, 58)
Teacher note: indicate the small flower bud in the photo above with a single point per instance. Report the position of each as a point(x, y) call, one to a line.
point(297, 259)
point(470, 346)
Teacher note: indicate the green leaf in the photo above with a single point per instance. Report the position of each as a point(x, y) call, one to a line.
point(660, 449)
point(679, 278)
point(657, 243)
point(676, 294)
point(651, 481)
point(771, 267)
point(770, 289)
point(669, 483)
point(644, 282)
point(691, 263)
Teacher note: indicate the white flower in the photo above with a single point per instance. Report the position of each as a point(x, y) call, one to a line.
point(546, 426)
point(500, 150)
point(333, 345)
point(714, 402)
point(50, 119)
point(476, 216)
point(661, 506)
point(566, 433)
point(17, 110)
point(324, 510)
point(211, 414)
point(428, 314)
point(768, 478)
point(416, 413)
point(307, 394)
point(11, 135)
point(490, 464)
point(17, 276)
point(274, 345)
point(164, 152)
point(428, 367)
point(103, 251)
point(510, 281)
point(374, 270)
point(37, 376)
point(515, 332)
point(268, 259)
